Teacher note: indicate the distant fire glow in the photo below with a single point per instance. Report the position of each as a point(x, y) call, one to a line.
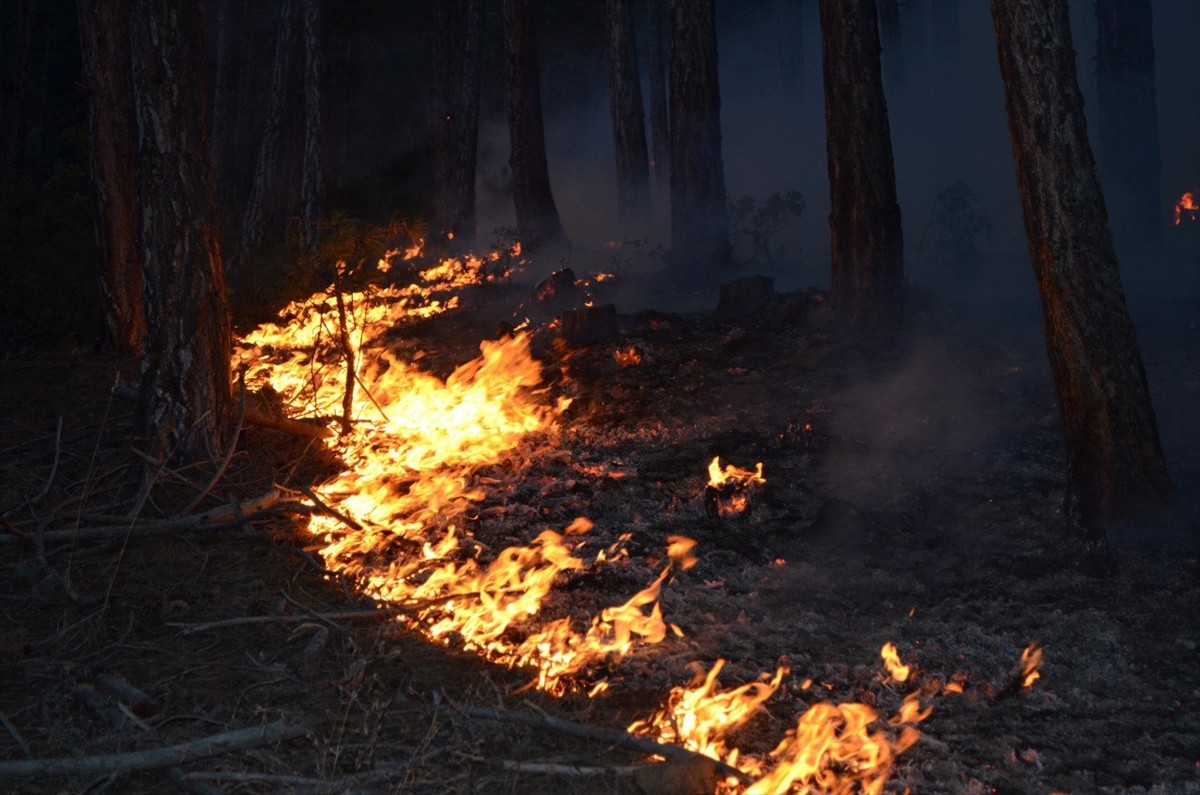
point(1187, 209)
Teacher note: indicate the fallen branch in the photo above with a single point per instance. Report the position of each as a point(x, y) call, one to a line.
point(219, 518)
point(623, 739)
point(554, 768)
point(329, 511)
point(374, 614)
point(155, 758)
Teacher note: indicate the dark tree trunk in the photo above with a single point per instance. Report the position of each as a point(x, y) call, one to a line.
point(867, 244)
point(184, 400)
point(267, 169)
point(230, 15)
point(16, 119)
point(893, 49)
point(537, 215)
point(1128, 106)
point(312, 168)
point(656, 63)
point(108, 82)
point(699, 218)
point(1115, 464)
point(629, 125)
point(458, 30)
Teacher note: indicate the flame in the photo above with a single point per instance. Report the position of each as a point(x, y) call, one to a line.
point(1031, 661)
point(1188, 208)
point(731, 474)
point(891, 659)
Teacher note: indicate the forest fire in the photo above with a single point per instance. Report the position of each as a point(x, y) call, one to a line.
point(1187, 208)
point(729, 490)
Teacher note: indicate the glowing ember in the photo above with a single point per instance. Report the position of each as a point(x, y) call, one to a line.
point(627, 357)
point(891, 659)
point(729, 489)
point(1187, 208)
point(1031, 661)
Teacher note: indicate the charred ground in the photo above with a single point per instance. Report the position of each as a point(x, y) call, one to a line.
point(923, 507)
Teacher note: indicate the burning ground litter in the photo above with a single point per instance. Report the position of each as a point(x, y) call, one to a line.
point(958, 577)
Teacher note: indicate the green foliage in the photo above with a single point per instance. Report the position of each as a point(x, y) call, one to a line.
point(756, 222)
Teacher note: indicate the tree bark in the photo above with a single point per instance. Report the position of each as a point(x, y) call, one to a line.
point(867, 243)
point(108, 82)
point(656, 63)
point(458, 30)
point(184, 402)
point(312, 169)
point(537, 215)
point(1115, 465)
point(699, 218)
point(1128, 104)
point(628, 119)
point(266, 170)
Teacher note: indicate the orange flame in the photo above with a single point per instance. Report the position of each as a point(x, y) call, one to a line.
point(1187, 207)
point(1031, 662)
point(731, 474)
point(891, 659)
point(627, 357)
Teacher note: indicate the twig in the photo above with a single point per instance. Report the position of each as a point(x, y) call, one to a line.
point(329, 511)
point(642, 744)
point(155, 758)
point(53, 467)
point(16, 735)
point(142, 705)
point(233, 442)
point(344, 615)
point(571, 770)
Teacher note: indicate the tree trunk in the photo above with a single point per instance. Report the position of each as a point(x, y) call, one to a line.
point(312, 169)
point(458, 30)
point(1115, 464)
point(893, 50)
point(1128, 106)
point(699, 218)
point(108, 82)
point(266, 171)
point(537, 216)
point(656, 63)
point(224, 115)
point(629, 125)
point(184, 399)
point(867, 244)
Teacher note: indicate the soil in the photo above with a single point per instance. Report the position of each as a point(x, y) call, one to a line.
point(913, 495)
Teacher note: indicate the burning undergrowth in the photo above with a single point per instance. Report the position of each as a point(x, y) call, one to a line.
point(432, 466)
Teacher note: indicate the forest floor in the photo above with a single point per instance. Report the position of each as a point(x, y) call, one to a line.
point(923, 508)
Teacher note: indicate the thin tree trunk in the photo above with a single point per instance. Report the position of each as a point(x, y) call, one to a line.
point(867, 243)
point(184, 398)
point(699, 218)
point(108, 82)
point(656, 62)
point(312, 170)
point(537, 215)
point(1128, 104)
point(893, 49)
point(628, 119)
point(1115, 465)
point(458, 30)
point(16, 120)
point(266, 170)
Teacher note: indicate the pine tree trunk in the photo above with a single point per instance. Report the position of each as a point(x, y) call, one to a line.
point(312, 169)
point(656, 63)
point(867, 244)
point(893, 50)
point(699, 218)
point(537, 215)
point(184, 399)
point(1128, 104)
point(458, 30)
point(628, 119)
point(108, 82)
point(1115, 465)
point(266, 170)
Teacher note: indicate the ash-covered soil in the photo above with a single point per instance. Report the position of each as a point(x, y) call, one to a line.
point(921, 505)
